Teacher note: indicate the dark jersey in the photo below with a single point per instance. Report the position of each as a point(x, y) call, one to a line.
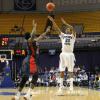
point(31, 48)
point(29, 63)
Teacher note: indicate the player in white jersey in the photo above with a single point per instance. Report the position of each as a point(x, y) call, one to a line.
point(67, 58)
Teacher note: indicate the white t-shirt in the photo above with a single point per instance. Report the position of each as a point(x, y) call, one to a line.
point(68, 41)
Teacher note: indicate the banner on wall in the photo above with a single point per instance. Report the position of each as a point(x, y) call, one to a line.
point(24, 5)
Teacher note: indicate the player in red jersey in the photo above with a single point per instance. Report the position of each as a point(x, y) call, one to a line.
point(29, 68)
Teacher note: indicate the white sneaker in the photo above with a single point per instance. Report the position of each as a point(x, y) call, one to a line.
point(59, 93)
point(28, 97)
point(71, 92)
point(71, 88)
point(16, 98)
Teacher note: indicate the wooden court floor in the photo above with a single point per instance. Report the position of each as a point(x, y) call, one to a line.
point(50, 93)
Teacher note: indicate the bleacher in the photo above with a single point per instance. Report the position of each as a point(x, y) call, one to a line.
point(89, 20)
point(8, 21)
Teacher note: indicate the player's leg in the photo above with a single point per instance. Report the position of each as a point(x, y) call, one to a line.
point(32, 80)
point(61, 69)
point(24, 78)
point(61, 79)
point(70, 70)
point(20, 88)
point(71, 79)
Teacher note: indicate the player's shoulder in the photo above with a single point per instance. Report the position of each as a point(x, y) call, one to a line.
point(72, 36)
point(61, 35)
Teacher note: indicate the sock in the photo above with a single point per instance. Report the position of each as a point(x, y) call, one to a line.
point(18, 94)
point(71, 84)
point(29, 91)
point(61, 82)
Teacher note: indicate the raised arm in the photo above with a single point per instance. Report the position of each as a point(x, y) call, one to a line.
point(42, 35)
point(54, 24)
point(64, 22)
point(68, 25)
point(34, 29)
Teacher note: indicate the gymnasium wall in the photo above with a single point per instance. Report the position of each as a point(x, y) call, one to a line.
point(89, 20)
point(70, 5)
point(82, 12)
point(39, 5)
point(6, 5)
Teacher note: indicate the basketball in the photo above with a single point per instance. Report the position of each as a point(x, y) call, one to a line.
point(50, 6)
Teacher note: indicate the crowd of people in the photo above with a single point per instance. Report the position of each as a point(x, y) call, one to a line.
point(50, 76)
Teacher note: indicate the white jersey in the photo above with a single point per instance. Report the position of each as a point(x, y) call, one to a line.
point(68, 41)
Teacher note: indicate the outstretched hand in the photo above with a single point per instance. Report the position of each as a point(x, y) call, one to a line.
point(64, 22)
point(51, 19)
point(54, 24)
point(34, 23)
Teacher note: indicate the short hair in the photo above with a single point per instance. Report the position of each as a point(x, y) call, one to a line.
point(64, 27)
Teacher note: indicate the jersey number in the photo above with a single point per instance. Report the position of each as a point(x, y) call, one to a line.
point(67, 41)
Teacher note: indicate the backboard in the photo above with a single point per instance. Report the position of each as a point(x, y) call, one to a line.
point(6, 55)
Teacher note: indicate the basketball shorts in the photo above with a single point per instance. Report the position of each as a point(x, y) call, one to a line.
point(66, 60)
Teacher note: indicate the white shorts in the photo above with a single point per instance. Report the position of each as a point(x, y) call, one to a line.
point(66, 60)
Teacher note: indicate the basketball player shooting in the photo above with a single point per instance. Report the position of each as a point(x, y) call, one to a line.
point(67, 58)
point(29, 68)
